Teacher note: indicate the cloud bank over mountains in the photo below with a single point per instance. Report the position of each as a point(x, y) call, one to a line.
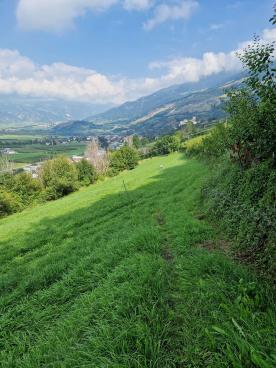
point(20, 75)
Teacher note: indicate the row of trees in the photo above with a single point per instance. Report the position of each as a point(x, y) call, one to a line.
point(59, 177)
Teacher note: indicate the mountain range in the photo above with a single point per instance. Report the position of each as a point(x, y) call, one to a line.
point(160, 112)
point(19, 111)
point(156, 114)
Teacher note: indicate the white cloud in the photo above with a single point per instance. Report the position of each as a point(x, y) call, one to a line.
point(164, 13)
point(269, 34)
point(20, 75)
point(58, 15)
point(55, 15)
point(183, 70)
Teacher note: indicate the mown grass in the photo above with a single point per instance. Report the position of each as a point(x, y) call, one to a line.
point(113, 276)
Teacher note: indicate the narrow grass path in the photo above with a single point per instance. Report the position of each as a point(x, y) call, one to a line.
point(112, 277)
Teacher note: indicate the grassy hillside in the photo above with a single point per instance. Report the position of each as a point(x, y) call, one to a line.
point(124, 274)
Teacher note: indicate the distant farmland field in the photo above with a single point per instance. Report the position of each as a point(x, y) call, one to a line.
point(31, 148)
point(39, 152)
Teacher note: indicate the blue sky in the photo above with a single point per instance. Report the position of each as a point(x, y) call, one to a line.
point(121, 49)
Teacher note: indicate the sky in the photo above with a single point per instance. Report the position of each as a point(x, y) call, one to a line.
point(111, 51)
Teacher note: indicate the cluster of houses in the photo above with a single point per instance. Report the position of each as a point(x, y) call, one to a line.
point(113, 142)
point(185, 121)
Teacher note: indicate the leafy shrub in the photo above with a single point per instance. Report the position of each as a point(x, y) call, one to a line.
point(215, 144)
point(59, 177)
point(211, 145)
point(27, 188)
point(86, 172)
point(252, 109)
point(242, 193)
point(188, 130)
point(244, 202)
point(126, 158)
point(137, 142)
point(166, 145)
point(194, 146)
point(9, 203)
point(6, 180)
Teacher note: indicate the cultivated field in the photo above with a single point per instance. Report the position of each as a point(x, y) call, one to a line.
point(30, 153)
point(29, 149)
point(126, 274)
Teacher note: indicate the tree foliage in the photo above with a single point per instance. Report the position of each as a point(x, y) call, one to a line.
point(252, 109)
point(167, 144)
point(59, 177)
point(9, 203)
point(126, 158)
point(241, 194)
point(86, 172)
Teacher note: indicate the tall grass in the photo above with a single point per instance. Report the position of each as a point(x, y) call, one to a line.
point(112, 276)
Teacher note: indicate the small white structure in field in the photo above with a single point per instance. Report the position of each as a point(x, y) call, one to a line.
point(8, 151)
point(33, 169)
point(76, 158)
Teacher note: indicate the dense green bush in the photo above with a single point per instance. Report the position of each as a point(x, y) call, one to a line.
point(244, 203)
point(252, 109)
point(166, 144)
point(9, 203)
point(86, 172)
point(241, 194)
point(59, 177)
point(193, 146)
point(212, 145)
point(126, 158)
point(215, 144)
point(27, 188)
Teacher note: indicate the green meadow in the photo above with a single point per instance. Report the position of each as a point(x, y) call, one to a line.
point(127, 273)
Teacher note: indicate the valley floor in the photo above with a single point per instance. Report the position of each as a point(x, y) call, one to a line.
point(121, 275)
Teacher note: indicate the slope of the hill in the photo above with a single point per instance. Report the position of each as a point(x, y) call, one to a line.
point(160, 112)
point(121, 275)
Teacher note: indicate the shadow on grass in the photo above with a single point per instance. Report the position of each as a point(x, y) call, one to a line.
point(129, 208)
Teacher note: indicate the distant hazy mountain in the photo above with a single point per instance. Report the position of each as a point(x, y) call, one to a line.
point(135, 109)
point(160, 112)
point(21, 111)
